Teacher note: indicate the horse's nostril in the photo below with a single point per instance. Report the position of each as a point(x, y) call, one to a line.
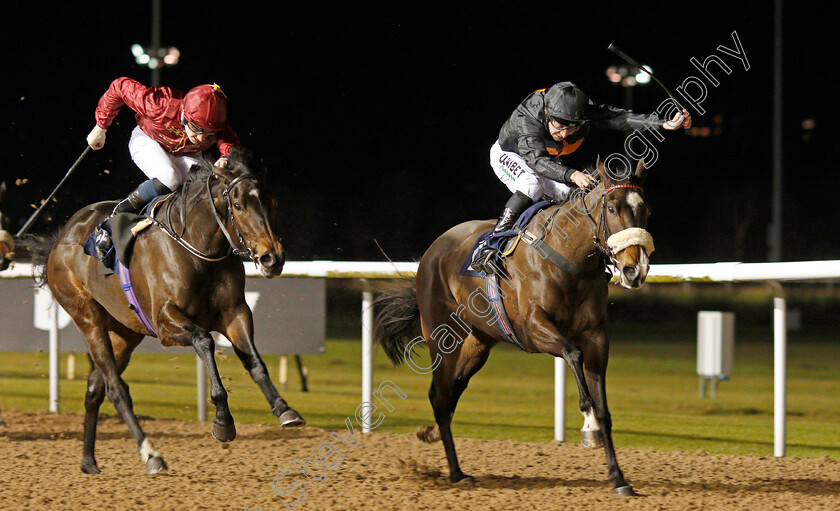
point(268, 259)
point(631, 272)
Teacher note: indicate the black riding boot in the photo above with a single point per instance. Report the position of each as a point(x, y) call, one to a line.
point(515, 206)
point(145, 193)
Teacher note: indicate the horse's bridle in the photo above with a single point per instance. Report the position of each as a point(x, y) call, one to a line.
point(602, 227)
point(247, 252)
point(232, 248)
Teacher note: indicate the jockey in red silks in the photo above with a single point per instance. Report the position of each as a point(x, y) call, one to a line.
point(173, 128)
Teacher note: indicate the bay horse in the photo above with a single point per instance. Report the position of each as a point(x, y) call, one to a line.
point(187, 276)
point(553, 310)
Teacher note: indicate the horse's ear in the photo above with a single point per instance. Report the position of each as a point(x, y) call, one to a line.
point(641, 170)
point(602, 172)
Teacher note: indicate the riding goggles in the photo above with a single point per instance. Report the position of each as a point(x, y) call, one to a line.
point(200, 130)
point(559, 124)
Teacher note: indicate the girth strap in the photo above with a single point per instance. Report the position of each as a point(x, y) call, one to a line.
point(498, 308)
point(133, 303)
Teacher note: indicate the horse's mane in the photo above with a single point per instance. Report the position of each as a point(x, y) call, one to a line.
point(241, 161)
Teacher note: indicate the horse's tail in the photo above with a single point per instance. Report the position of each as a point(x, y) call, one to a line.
point(39, 248)
point(398, 319)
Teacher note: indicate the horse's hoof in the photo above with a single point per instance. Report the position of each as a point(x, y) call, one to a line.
point(291, 419)
point(592, 439)
point(155, 465)
point(223, 433)
point(624, 491)
point(428, 434)
point(89, 467)
point(462, 480)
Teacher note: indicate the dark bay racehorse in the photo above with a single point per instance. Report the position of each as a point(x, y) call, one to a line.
point(551, 310)
point(186, 280)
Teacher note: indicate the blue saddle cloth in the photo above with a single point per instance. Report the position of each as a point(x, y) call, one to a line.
point(498, 240)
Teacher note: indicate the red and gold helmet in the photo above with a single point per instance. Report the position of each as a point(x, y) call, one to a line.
point(206, 107)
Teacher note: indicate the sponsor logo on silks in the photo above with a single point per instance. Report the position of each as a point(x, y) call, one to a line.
point(510, 166)
point(508, 174)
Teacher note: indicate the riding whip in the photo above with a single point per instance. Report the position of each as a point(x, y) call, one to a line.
point(632, 62)
point(38, 211)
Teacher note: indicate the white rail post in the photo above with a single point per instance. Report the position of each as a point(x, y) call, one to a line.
point(367, 349)
point(779, 369)
point(200, 389)
point(559, 399)
point(54, 355)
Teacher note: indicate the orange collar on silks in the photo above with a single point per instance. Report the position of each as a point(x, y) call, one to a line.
point(567, 148)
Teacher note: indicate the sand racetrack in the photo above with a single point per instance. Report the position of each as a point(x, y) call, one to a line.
point(40, 454)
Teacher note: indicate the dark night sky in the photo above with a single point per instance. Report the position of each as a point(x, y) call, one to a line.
point(376, 119)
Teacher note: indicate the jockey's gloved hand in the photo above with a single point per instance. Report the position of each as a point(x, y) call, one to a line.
point(582, 179)
point(96, 138)
point(680, 120)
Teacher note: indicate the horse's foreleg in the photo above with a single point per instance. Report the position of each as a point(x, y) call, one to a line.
point(173, 325)
point(591, 434)
point(596, 356)
point(553, 343)
point(240, 331)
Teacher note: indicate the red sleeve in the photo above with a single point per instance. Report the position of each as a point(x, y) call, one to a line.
point(151, 102)
point(226, 140)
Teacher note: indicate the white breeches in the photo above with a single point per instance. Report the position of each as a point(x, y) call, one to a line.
point(512, 170)
point(157, 162)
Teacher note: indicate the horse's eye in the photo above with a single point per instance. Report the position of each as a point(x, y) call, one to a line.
point(611, 210)
point(237, 206)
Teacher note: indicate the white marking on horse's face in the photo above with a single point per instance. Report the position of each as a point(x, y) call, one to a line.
point(253, 193)
point(635, 200)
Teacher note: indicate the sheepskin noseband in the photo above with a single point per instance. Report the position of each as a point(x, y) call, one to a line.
point(629, 237)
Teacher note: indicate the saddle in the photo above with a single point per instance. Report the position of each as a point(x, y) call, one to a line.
point(122, 230)
point(505, 242)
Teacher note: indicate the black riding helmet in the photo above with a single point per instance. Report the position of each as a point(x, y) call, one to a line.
point(567, 104)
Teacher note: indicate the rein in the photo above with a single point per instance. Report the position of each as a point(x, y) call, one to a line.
point(232, 247)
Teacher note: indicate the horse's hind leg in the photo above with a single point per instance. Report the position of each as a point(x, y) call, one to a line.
point(122, 346)
point(94, 396)
point(92, 319)
point(449, 381)
point(174, 326)
point(240, 332)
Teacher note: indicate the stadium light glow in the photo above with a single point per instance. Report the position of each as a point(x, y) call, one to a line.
point(154, 59)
